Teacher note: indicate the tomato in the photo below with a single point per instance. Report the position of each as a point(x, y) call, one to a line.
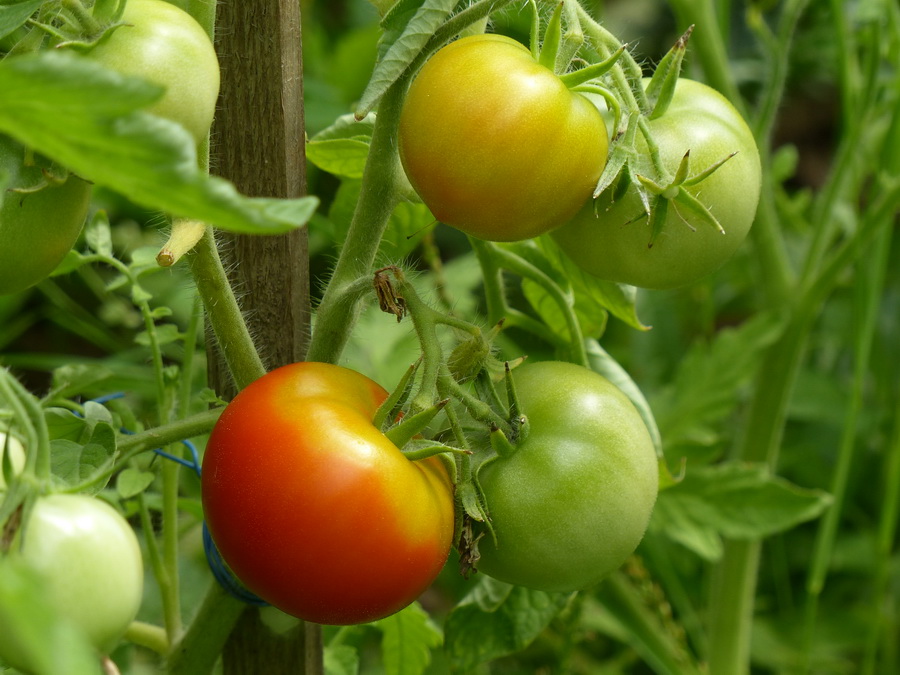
point(573, 500)
point(313, 508)
point(165, 45)
point(37, 228)
point(89, 561)
point(611, 241)
point(13, 448)
point(495, 144)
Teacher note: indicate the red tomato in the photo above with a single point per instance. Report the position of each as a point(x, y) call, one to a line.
point(313, 508)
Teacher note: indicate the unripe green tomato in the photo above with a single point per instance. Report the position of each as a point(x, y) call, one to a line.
point(573, 500)
point(495, 144)
point(610, 238)
point(89, 560)
point(37, 228)
point(165, 45)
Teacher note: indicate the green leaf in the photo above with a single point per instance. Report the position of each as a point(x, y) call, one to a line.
point(98, 235)
point(401, 53)
point(73, 379)
point(165, 334)
point(340, 660)
point(73, 464)
point(737, 501)
point(709, 381)
point(133, 482)
point(496, 619)
point(342, 148)
point(14, 13)
point(407, 640)
point(86, 118)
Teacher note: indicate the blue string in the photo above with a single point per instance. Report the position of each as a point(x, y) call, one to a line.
point(217, 566)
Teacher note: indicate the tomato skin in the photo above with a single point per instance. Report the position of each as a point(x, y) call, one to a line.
point(574, 499)
point(89, 560)
point(495, 144)
point(165, 45)
point(313, 508)
point(37, 229)
point(604, 238)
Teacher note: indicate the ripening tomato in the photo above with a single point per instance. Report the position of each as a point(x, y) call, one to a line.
point(313, 508)
point(495, 144)
point(165, 45)
point(611, 239)
point(40, 219)
point(572, 500)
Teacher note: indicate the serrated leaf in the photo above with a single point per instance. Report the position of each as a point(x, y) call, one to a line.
point(407, 640)
point(738, 501)
point(87, 118)
point(133, 482)
point(707, 385)
point(14, 13)
point(404, 50)
point(496, 619)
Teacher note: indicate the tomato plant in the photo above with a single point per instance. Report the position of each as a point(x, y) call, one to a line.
point(40, 223)
point(573, 498)
point(89, 561)
point(313, 508)
point(165, 45)
point(11, 450)
point(495, 144)
point(611, 237)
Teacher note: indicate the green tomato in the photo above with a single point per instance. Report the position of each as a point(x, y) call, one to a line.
point(165, 45)
point(574, 498)
point(37, 228)
point(610, 238)
point(89, 561)
point(495, 144)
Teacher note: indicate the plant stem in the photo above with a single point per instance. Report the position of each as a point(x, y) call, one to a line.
point(199, 649)
point(379, 194)
point(224, 313)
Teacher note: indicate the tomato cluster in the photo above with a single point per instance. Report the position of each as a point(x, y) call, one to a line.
point(313, 508)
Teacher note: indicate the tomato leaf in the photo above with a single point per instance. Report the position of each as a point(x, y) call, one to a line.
point(15, 13)
point(496, 619)
point(401, 52)
point(132, 482)
point(709, 381)
point(731, 500)
point(340, 660)
point(86, 118)
point(407, 640)
point(342, 148)
point(73, 464)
